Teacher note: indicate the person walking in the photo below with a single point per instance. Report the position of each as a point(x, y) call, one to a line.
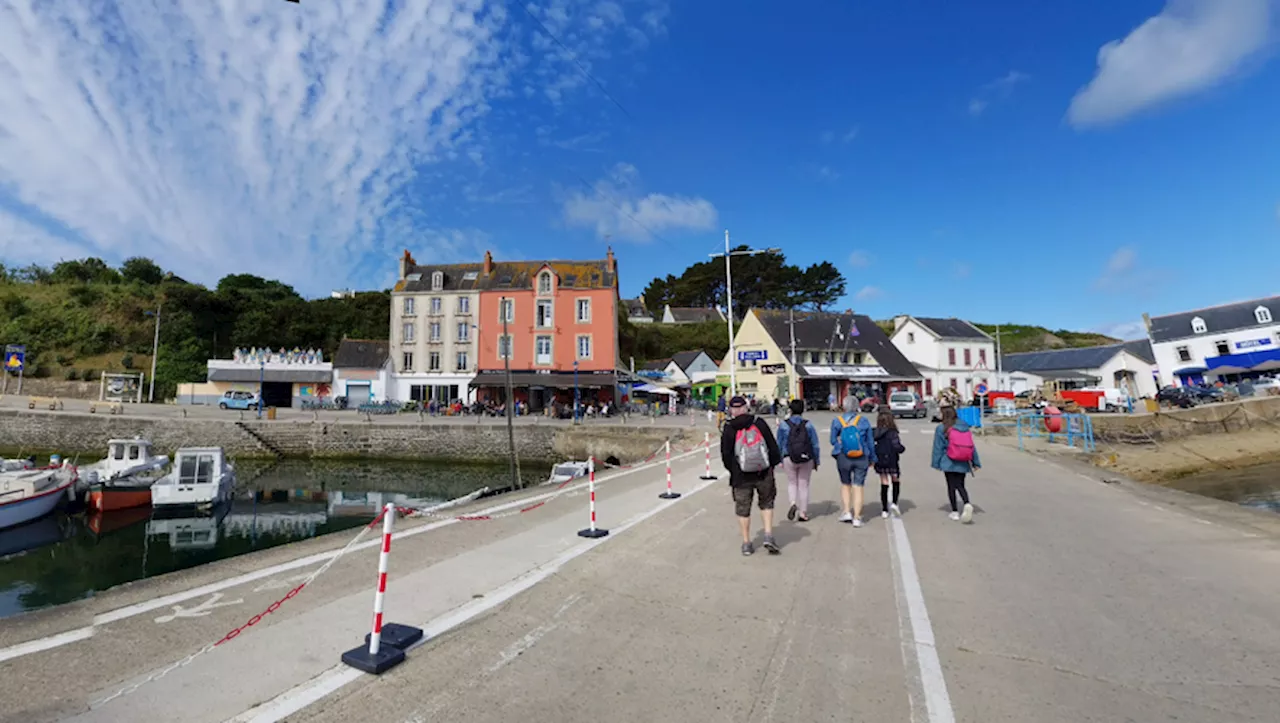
point(798, 441)
point(749, 451)
point(888, 448)
point(853, 446)
point(955, 455)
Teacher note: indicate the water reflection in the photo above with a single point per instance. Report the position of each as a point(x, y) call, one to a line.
point(73, 554)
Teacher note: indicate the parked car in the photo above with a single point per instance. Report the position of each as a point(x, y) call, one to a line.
point(239, 400)
point(907, 404)
point(1205, 394)
point(1177, 397)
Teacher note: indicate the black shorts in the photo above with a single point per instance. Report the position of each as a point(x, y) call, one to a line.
point(764, 489)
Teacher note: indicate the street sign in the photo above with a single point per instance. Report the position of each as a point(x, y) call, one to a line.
point(15, 358)
point(755, 355)
point(773, 368)
point(981, 389)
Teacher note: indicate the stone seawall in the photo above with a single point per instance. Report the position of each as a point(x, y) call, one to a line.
point(78, 433)
point(1169, 425)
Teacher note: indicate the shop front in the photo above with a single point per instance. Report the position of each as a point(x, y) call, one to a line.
point(822, 386)
point(541, 389)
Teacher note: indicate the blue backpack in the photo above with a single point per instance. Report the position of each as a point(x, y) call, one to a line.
point(851, 437)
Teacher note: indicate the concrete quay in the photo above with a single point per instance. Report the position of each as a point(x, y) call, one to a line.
point(1068, 600)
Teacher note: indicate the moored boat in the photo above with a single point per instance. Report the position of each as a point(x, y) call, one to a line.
point(201, 477)
point(566, 471)
point(30, 494)
point(125, 477)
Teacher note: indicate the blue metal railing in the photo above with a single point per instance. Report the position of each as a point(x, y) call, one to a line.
point(1076, 428)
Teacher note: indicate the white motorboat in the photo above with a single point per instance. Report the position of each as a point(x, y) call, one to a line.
point(566, 471)
point(30, 494)
point(125, 477)
point(201, 477)
point(17, 465)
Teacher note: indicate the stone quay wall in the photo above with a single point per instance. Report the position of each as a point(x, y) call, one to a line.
point(80, 433)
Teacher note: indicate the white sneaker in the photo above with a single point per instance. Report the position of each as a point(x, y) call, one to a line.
point(846, 517)
point(884, 515)
point(857, 522)
point(966, 516)
point(894, 509)
point(955, 516)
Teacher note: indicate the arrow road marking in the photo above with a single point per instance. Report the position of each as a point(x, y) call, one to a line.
point(204, 608)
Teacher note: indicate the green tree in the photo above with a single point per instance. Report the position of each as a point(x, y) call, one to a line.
point(88, 271)
point(141, 270)
point(762, 280)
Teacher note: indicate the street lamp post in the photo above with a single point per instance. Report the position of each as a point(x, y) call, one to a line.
point(728, 286)
point(155, 351)
point(506, 348)
point(577, 396)
point(262, 378)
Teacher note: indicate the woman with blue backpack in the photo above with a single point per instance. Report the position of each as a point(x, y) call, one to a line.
point(853, 445)
point(955, 455)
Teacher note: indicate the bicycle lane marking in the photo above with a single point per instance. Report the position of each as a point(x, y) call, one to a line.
point(168, 601)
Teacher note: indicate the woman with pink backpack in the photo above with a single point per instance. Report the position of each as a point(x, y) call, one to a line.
point(955, 455)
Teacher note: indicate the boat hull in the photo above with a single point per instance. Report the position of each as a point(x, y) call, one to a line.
point(105, 498)
point(31, 508)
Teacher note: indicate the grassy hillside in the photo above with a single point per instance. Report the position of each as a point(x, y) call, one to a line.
point(645, 342)
point(1016, 338)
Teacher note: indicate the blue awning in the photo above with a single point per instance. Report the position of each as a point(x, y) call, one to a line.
point(1249, 361)
point(1187, 371)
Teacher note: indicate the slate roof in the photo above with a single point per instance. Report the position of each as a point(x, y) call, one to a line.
point(1089, 357)
point(684, 358)
point(951, 328)
point(656, 364)
point(1218, 320)
point(509, 275)
point(362, 354)
point(636, 308)
point(695, 314)
point(826, 331)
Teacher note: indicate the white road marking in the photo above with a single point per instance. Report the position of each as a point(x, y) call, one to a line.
point(199, 611)
point(71, 636)
point(282, 582)
point(53, 641)
point(1084, 477)
point(937, 701)
point(530, 639)
point(1161, 509)
point(333, 679)
point(1203, 522)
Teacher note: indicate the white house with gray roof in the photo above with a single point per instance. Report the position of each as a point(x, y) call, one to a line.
point(1127, 366)
point(1227, 342)
point(948, 352)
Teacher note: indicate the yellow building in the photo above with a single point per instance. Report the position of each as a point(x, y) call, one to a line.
point(835, 355)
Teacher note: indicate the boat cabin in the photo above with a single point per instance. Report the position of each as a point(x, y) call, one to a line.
point(199, 465)
point(124, 455)
point(200, 476)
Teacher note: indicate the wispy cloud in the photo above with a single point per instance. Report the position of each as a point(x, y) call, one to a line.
point(1123, 274)
point(1189, 46)
point(616, 207)
point(867, 293)
point(219, 135)
point(997, 90)
point(859, 259)
point(844, 138)
point(961, 270)
point(1124, 330)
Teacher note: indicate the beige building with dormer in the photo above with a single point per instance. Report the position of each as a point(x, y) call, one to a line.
point(434, 318)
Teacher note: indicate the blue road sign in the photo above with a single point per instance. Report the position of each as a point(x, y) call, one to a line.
point(15, 358)
point(981, 389)
point(756, 355)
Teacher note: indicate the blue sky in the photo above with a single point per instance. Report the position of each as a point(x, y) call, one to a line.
point(980, 159)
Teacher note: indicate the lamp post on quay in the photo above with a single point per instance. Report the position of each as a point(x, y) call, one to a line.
point(577, 395)
point(155, 351)
point(728, 288)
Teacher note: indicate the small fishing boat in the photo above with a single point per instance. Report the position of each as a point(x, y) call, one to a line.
point(201, 477)
point(30, 494)
point(566, 471)
point(124, 478)
point(17, 465)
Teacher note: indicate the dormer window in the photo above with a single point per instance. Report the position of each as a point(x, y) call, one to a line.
point(1197, 325)
point(437, 280)
point(544, 282)
point(1262, 314)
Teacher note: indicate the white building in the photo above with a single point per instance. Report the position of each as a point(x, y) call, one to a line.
point(686, 367)
point(434, 312)
point(637, 313)
point(362, 371)
point(1225, 342)
point(948, 352)
point(1127, 366)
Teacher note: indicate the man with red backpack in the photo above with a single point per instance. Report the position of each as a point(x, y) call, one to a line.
point(749, 451)
point(956, 456)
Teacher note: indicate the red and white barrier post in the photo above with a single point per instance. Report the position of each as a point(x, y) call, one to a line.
point(384, 647)
point(592, 531)
point(669, 495)
point(706, 442)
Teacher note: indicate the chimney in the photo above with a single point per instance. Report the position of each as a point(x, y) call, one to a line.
point(1146, 321)
point(898, 321)
point(613, 264)
point(406, 263)
point(488, 263)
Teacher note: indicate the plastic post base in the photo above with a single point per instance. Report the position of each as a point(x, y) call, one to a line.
point(397, 636)
point(593, 534)
point(707, 476)
point(669, 495)
point(386, 658)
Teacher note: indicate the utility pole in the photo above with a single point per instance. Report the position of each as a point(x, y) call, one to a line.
point(506, 348)
point(728, 290)
point(795, 370)
point(155, 351)
point(999, 362)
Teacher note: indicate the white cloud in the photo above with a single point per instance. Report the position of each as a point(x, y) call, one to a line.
point(1190, 46)
point(845, 138)
point(961, 270)
point(859, 259)
point(867, 293)
point(220, 136)
point(22, 243)
point(999, 89)
point(1124, 330)
point(616, 207)
point(1123, 273)
point(585, 34)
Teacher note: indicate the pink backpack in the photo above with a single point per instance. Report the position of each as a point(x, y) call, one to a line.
point(959, 445)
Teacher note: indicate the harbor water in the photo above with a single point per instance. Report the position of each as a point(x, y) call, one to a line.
point(74, 553)
point(1256, 486)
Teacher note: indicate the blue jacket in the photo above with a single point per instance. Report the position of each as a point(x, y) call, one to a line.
point(940, 459)
point(784, 433)
point(864, 429)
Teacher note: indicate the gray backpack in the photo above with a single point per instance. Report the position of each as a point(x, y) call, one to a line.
point(750, 448)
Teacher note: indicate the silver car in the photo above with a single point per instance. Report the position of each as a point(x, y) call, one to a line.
point(907, 404)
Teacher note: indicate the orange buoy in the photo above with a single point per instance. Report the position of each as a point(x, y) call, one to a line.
point(1052, 419)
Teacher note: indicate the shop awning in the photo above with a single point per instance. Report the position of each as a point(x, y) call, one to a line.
point(1251, 361)
point(654, 389)
point(254, 374)
point(868, 373)
point(554, 381)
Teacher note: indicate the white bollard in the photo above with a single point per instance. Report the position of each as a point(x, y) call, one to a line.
point(669, 495)
point(706, 442)
point(376, 657)
point(592, 531)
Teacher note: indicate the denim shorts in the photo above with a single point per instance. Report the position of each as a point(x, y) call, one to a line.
point(852, 471)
